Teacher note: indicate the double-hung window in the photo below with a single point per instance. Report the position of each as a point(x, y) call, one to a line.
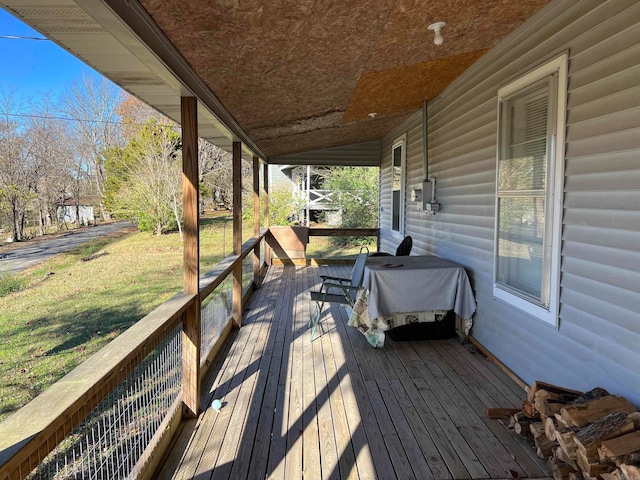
point(398, 156)
point(529, 188)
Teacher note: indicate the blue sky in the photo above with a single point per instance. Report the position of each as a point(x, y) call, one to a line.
point(30, 65)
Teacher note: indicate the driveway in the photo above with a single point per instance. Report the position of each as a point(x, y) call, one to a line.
point(26, 256)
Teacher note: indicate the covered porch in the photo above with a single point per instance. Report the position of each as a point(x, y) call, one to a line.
point(347, 85)
point(338, 408)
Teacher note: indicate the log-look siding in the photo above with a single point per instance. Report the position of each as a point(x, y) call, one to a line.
point(598, 339)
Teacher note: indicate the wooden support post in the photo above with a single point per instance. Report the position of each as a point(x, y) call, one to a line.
point(256, 220)
point(237, 233)
point(191, 239)
point(265, 179)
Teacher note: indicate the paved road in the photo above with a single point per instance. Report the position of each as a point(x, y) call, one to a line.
point(26, 256)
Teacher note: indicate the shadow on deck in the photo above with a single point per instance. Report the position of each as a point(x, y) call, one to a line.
point(337, 408)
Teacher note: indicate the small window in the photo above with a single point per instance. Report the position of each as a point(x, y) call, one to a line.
point(529, 187)
point(397, 190)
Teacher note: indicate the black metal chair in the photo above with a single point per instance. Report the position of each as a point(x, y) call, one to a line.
point(403, 250)
point(338, 289)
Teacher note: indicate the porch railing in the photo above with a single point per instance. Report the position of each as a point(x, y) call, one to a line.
point(108, 417)
point(114, 415)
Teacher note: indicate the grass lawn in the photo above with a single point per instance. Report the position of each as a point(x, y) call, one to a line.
point(71, 308)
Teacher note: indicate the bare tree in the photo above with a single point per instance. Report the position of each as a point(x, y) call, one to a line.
point(214, 168)
point(93, 103)
point(15, 193)
point(49, 159)
point(216, 174)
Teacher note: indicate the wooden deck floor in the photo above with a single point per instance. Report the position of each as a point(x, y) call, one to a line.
point(338, 408)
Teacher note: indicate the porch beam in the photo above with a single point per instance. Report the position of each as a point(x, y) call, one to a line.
point(237, 232)
point(256, 219)
point(191, 247)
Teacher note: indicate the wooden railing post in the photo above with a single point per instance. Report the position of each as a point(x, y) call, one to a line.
point(191, 238)
point(256, 220)
point(237, 233)
point(265, 180)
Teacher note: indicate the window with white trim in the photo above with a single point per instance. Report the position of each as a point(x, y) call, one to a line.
point(529, 190)
point(398, 159)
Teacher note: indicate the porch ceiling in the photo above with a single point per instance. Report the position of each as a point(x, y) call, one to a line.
point(292, 76)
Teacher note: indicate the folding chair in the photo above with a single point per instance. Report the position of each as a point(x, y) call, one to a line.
point(338, 290)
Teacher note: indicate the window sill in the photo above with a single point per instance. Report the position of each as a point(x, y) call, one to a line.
point(550, 317)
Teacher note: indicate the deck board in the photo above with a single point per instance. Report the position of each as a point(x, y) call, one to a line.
point(336, 408)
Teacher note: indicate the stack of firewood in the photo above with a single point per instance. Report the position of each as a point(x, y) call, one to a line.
point(583, 435)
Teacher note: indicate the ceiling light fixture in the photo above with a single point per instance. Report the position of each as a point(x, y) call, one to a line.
point(437, 27)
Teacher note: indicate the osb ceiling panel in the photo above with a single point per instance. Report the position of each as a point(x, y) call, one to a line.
point(305, 74)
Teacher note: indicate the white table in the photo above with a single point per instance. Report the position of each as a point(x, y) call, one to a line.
point(397, 285)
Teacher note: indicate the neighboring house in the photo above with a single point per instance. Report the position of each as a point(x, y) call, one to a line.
point(296, 168)
point(82, 212)
point(306, 182)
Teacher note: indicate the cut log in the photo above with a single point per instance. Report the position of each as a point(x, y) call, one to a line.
point(550, 428)
point(559, 469)
point(560, 422)
point(590, 437)
point(520, 423)
point(588, 396)
point(630, 472)
point(592, 468)
point(529, 409)
point(562, 455)
point(581, 414)
point(522, 427)
point(566, 393)
point(630, 459)
point(544, 446)
point(566, 441)
point(635, 418)
point(548, 404)
point(615, 475)
point(501, 413)
point(597, 470)
point(620, 446)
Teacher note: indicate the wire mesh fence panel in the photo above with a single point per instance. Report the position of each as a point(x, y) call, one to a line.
point(247, 271)
point(216, 310)
point(111, 440)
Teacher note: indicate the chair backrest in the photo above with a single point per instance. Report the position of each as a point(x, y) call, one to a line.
point(357, 274)
point(404, 249)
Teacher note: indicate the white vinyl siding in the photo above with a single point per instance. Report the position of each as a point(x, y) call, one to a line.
point(598, 333)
